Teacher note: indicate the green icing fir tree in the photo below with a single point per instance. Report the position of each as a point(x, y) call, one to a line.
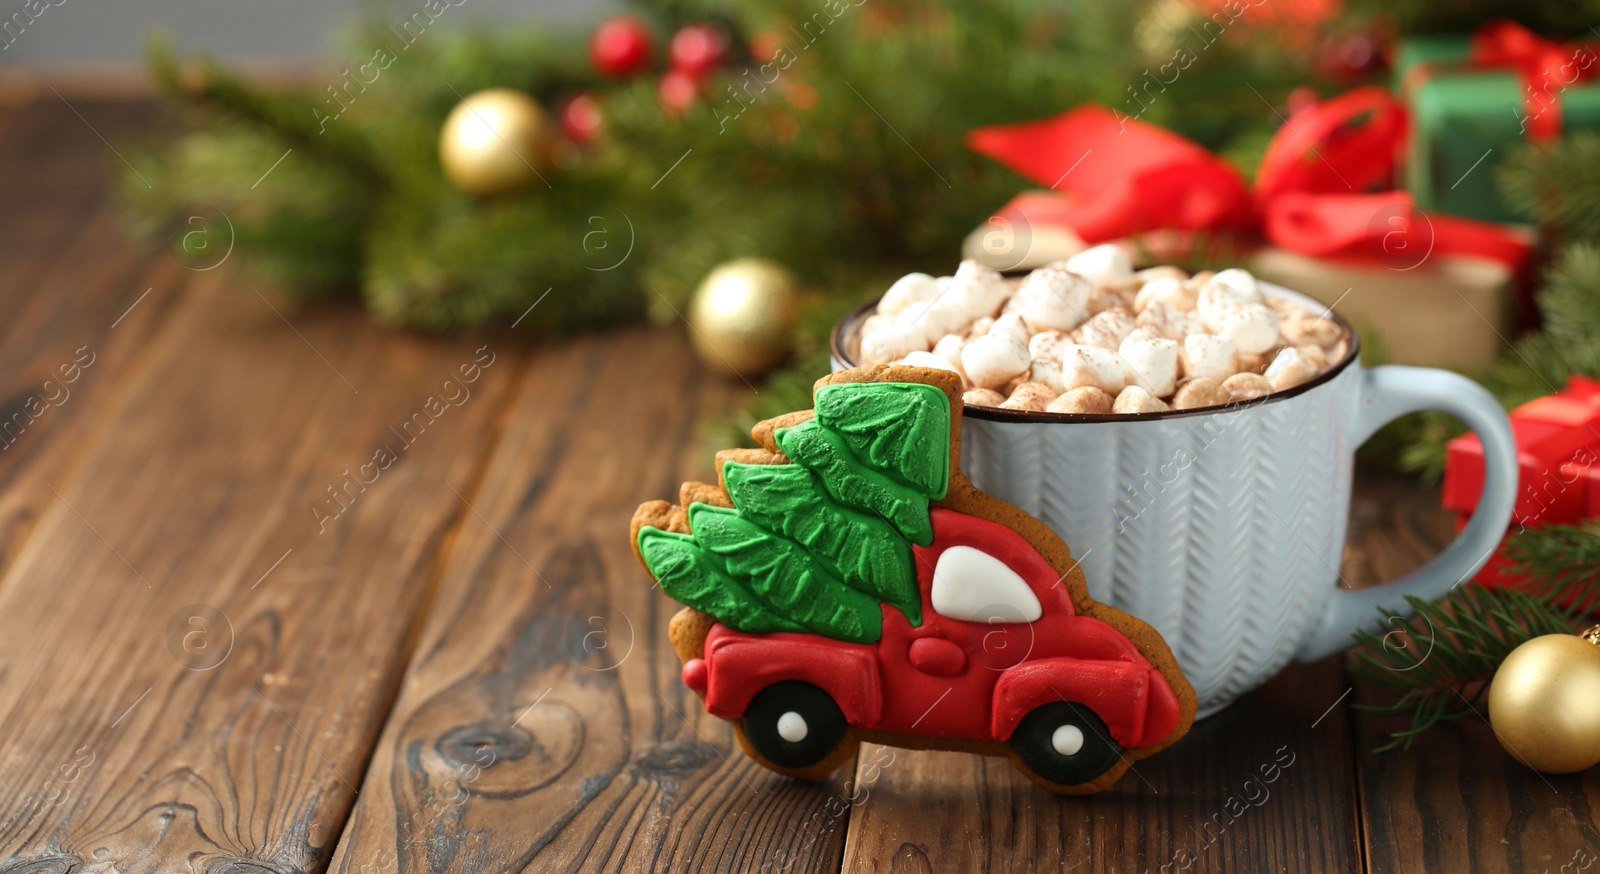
point(818, 544)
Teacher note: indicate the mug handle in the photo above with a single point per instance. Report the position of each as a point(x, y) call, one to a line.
point(1388, 393)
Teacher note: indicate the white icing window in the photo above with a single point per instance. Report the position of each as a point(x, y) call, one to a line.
point(974, 586)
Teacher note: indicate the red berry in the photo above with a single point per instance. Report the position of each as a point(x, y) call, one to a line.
point(677, 90)
point(620, 46)
point(1300, 99)
point(697, 48)
point(580, 118)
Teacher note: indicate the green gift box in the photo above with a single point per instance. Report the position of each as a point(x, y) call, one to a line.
point(1467, 116)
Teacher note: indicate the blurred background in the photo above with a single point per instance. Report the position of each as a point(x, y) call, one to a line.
point(280, 33)
point(633, 149)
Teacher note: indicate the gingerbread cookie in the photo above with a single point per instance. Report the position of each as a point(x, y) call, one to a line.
point(845, 583)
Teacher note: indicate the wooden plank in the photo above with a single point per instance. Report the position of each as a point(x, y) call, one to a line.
point(1456, 801)
point(545, 661)
point(141, 732)
point(68, 283)
point(63, 170)
point(1263, 786)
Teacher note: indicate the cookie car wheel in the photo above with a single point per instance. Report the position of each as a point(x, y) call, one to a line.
point(793, 724)
point(1065, 743)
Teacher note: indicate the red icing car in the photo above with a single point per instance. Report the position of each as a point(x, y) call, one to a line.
point(1001, 655)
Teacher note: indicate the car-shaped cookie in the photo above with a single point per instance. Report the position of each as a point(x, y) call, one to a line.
point(1001, 664)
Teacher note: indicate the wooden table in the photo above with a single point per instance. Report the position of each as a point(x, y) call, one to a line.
point(230, 642)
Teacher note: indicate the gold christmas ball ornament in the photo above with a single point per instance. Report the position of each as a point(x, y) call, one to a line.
point(1544, 703)
point(743, 316)
point(496, 142)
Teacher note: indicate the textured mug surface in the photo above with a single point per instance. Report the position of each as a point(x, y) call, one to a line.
point(1224, 528)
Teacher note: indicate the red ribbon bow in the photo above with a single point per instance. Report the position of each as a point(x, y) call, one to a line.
point(1112, 178)
point(1546, 68)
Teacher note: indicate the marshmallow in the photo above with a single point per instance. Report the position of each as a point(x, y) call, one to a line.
point(1237, 284)
point(1164, 271)
point(993, 360)
point(1011, 323)
point(1107, 330)
point(1246, 386)
point(1167, 320)
point(1212, 305)
point(1206, 355)
point(1299, 326)
point(928, 359)
point(1200, 392)
point(1164, 289)
point(949, 348)
point(1046, 371)
point(1314, 354)
point(1252, 363)
point(1151, 364)
point(874, 322)
point(890, 342)
point(1134, 399)
point(1047, 344)
point(976, 291)
point(1105, 264)
point(1142, 333)
point(1084, 399)
point(983, 397)
point(1030, 396)
point(1289, 369)
point(1252, 328)
point(1053, 300)
point(1223, 294)
point(907, 290)
point(1105, 297)
point(1094, 366)
point(934, 318)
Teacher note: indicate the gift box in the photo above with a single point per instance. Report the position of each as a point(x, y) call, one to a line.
point(1473, 98)
point(1558, 466)
point(1450, 311)
point(1557, 438)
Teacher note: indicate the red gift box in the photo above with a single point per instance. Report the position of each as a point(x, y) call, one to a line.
point(1558, 443)
point(1558, 466)
point(1591, 481)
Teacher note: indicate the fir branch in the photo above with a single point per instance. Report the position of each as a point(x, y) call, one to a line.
point(1557, 183)
point(1562, 563)
point(204, 85)
point(1435, 667)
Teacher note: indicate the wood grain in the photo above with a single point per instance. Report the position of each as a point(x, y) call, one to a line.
point(66, 278)
point(546, 660)
point(1260, 786)
point(124, 745)
point(1455, 801)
